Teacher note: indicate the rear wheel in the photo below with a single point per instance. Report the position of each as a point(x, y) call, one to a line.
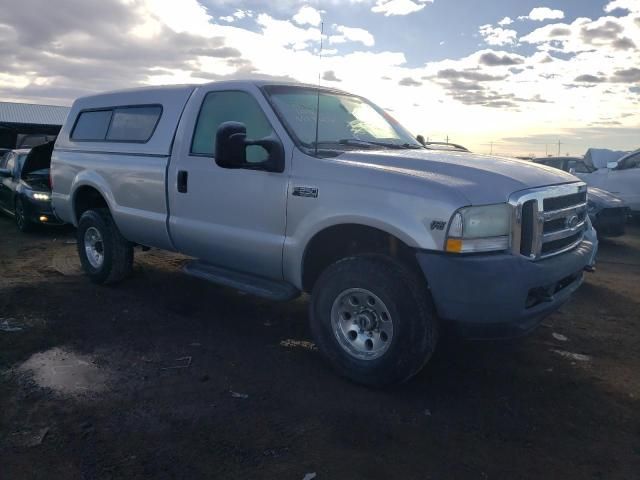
point(373, 319)
point(22, 221)
point(106, 256)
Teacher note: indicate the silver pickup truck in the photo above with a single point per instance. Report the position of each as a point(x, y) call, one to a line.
point(277, 189)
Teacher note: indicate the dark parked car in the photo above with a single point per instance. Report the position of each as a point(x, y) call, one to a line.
point(607, 212)
point(25, 192)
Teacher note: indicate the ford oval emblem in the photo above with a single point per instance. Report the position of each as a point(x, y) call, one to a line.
point(572, 221)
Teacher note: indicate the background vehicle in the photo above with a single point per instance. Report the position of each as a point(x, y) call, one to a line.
point(621, 178)
point(24, 187)
point(608, 213)
point(278, 188)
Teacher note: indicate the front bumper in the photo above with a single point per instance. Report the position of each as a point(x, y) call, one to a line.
point(502, 295)
point(610, 222)
point(36, 210)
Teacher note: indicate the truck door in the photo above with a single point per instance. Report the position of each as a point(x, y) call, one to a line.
point(233, 218)
point(624, 181)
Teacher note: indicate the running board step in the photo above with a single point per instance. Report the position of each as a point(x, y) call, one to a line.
point(254, 285)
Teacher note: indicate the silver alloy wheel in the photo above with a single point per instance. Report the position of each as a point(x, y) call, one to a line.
point(94, 247)
point(361, 323)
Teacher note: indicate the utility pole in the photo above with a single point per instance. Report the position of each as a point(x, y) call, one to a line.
point(546, 149)
point(559, 147)
point(447, 138)
point(491, 152)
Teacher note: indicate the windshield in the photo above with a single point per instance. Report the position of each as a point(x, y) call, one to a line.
point(21, 158)
point(344, 121)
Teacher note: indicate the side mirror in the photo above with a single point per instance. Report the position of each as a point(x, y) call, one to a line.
point(612, 165)
point(231, 149)
point(5, 173)
point(572, 170)
point(421, 139)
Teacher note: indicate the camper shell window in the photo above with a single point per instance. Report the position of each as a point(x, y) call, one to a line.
point(125, 124)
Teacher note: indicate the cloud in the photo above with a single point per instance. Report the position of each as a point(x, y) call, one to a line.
point(284, 33)
point(492, 59)
point(628, 75)
point(63, 56)
point(606, 31)
point(349, 34)
point(539, 14)
point(409, 82)
point(497, 35)
point(399, 7)
point(330, 76)
point(606, 34)
point(221, 52)
point(475, 75)
point(58, 57)
point(237, 15)
point(308, 16)
point(505, 21)
point(631, 5)
point(623, 43)
point(588, 78)
point(559, 32)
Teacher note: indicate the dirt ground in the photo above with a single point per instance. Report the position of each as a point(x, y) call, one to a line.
point(166, 376)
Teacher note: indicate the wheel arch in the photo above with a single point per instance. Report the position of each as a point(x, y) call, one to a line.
point(340, 240)
point(90, 191)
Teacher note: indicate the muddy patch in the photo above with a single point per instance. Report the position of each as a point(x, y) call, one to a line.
point(65, 372)
point(66, 262)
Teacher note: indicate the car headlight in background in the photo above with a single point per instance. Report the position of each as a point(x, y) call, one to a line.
point(479, 229)
point(40, 196)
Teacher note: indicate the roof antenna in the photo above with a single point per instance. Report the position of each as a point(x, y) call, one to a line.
point(318, 89)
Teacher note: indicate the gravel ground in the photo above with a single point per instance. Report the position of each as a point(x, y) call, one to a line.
point(166, 376)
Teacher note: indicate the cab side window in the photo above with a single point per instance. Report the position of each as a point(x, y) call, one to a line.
point(631, 162)
point(578, 167)
point(220, 107)
point(555, 163)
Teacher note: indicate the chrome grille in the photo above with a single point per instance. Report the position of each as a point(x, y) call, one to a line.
point(548, 221)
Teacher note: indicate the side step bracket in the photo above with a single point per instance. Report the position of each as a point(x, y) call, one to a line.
point(251, 284)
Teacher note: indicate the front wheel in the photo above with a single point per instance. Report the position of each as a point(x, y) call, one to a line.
point(106, 256)
point(373, 319)
point(22, 221)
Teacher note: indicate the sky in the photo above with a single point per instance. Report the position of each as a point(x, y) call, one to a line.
point(510, 77)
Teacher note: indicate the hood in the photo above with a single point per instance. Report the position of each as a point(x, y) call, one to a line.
point(482, 179)
point(603, 198)
point(39, 158)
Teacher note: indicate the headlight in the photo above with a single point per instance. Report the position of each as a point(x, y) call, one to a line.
point(40, 196)
point(479, 229)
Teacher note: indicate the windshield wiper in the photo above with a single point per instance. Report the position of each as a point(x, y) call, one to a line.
point(365, 143)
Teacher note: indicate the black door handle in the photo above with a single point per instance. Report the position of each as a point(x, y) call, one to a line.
point(183, 177)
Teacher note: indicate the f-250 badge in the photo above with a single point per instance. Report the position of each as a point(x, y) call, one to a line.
point(311, 192)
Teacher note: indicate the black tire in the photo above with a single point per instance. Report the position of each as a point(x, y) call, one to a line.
point(117, 252)
point(23, 223)
point(405, 295)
